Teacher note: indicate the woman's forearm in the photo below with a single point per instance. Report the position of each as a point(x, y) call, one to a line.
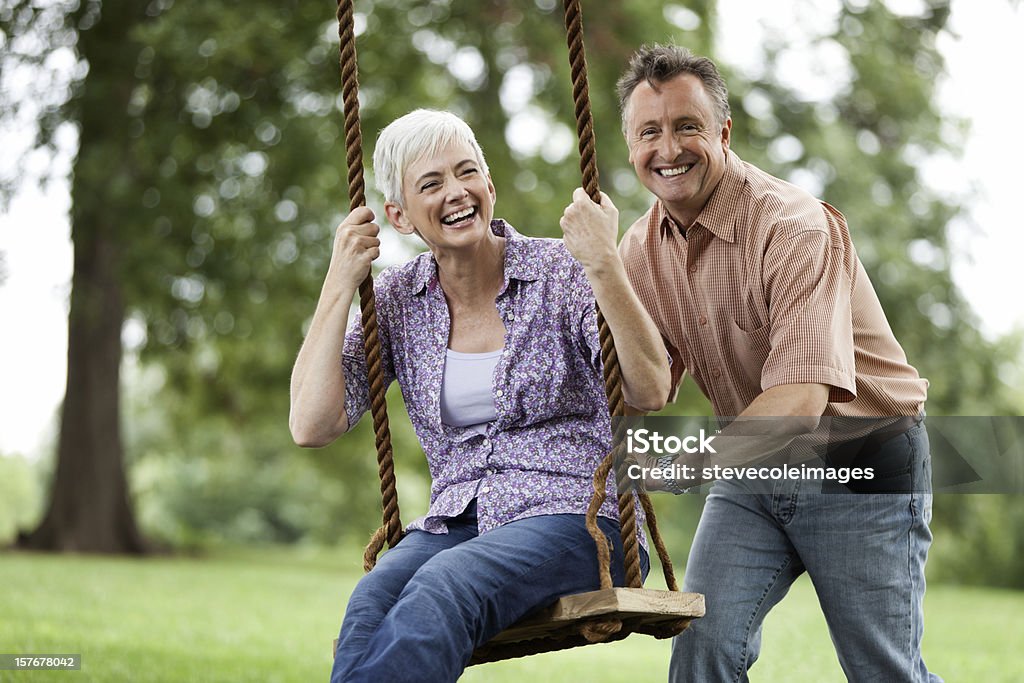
point(590, 230)
point(646, 377)
point(317, 416)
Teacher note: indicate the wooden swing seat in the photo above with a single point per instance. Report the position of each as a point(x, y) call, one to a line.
point(662, 614)
point(657, 613)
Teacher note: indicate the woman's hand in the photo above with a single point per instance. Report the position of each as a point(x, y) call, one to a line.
point(356, 245)
point(591, 230)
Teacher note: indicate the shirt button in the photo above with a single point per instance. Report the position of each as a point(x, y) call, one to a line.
point(486, 489)
point(716, 372)
point(703, 320)
point(511, 316)
point(490, 470)
point(499, 393)
point(693, 269)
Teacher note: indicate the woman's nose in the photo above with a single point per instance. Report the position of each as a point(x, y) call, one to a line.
point(456, 190)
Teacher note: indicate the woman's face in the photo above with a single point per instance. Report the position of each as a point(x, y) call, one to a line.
point(448, 199)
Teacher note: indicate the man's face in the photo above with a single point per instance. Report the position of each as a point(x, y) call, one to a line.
point(676, 143)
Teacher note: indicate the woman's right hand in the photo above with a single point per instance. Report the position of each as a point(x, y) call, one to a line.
point(356, 245)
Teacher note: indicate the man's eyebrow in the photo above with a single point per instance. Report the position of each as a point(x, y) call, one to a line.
point(686, 118)
point(644, 124)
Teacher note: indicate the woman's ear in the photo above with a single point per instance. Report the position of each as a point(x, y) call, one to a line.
point(396, 215)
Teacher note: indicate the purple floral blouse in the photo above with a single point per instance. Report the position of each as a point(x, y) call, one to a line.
point(552, 427)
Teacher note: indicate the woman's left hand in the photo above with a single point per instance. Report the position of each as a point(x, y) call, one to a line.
point(591, 230)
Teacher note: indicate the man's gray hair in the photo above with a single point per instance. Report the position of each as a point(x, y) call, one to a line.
point(660, 63)
point(420, 133)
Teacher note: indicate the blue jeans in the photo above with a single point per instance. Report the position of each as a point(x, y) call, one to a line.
point(864, 552)
point(433, 598)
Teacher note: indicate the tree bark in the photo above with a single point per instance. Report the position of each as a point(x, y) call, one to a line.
point(90, 507)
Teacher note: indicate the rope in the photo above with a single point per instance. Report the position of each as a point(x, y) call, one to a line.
point(596, 501)
point(612, 373)
point(390, 531)
point(391, 528)
point(659, 544)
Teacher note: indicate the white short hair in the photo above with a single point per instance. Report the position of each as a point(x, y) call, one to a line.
point(409, 138)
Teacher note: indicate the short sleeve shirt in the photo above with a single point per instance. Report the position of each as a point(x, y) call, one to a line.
point(766, 289)
point(552, 427)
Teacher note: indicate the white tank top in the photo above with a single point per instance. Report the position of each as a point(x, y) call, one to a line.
point(466, 399)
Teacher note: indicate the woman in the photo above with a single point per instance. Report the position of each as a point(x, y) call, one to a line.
point(492, 337)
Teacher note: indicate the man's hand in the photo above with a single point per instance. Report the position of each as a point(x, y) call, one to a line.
point(591, 230)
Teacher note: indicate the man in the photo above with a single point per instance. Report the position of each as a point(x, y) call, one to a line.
point(758, 293)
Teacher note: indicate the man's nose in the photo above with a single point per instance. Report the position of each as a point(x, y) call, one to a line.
point(671, 147)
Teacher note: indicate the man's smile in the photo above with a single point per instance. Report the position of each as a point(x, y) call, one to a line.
point(672, 171)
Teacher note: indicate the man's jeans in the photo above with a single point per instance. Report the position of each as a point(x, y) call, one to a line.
point(865, 554)
point(433, 598)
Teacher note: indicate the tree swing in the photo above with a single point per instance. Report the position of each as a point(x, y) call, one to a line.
point(603, 615)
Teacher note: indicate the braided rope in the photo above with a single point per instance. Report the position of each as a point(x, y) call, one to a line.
point(659, 543)
point(612, 373)
point(391, 528)
point(596, 501)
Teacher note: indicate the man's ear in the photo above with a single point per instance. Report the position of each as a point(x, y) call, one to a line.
point(397, 217)
point(726, 133)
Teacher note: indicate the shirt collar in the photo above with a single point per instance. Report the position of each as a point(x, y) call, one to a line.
point(719, 214)
point(519, 262)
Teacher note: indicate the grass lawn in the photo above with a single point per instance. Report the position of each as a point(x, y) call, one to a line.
point(270, 615)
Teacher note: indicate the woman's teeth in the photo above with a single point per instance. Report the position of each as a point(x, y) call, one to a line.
point(458, 216)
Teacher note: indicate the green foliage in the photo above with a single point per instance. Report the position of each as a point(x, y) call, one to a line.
point(864, 148)
point(979, 540)
point(226, 176)
point(20, 497)
point(222, 481)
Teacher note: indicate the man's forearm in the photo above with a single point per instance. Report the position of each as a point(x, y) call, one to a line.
point(761, 432)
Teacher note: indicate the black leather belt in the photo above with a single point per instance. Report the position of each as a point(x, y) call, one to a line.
point(891, 431)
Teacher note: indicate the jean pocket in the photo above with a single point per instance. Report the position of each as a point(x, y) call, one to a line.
point(891, 464)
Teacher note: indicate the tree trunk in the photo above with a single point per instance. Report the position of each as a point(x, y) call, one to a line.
point(90, 508)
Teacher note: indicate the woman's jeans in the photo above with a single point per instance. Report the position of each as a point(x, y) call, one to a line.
point(864, 552)
point(433, 598)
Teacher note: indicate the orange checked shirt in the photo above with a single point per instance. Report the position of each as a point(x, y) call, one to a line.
point(764, 289)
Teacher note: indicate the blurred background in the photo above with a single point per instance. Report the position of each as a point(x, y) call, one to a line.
point(171, 173)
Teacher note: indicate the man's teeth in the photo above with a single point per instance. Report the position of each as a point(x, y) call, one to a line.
point(458, 216)
point(669, 172)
